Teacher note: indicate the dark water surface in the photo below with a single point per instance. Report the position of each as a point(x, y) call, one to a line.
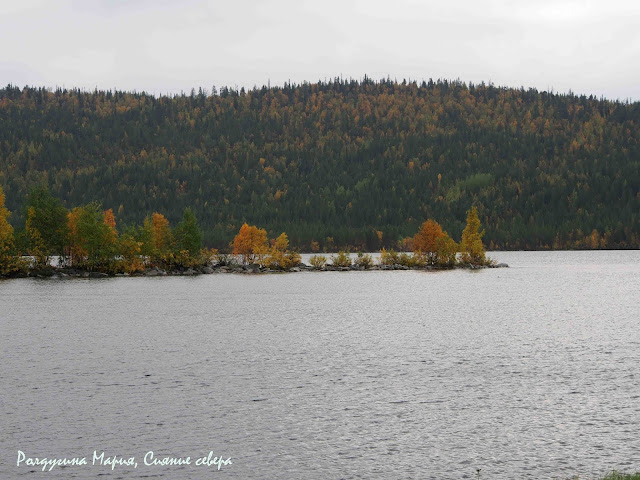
point(526, 372)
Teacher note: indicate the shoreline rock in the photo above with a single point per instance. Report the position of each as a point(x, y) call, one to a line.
point(60, 273)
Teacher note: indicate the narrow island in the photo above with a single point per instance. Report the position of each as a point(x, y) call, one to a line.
point(86, 243)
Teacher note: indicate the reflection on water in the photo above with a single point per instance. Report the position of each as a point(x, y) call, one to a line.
point(526, 372)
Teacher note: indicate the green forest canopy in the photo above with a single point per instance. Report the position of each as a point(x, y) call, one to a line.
point(337, 161)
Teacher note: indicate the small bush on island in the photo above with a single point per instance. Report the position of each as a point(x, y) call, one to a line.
point(388, 257)
point(407, 260)
point(279, 257)
point(391, 257)
point(342, 259)
point(318, 261)
point(363, 260)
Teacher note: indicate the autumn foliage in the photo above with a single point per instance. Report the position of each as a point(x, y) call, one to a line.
point(279, 256)
point(92, 242)
point(434, 245)
point(251, 243)
point(75, 249)
point(471, 248)
point(160, 237)
point(92, 238)
point(337, 161)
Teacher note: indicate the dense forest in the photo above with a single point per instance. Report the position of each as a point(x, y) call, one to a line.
point(341, 163)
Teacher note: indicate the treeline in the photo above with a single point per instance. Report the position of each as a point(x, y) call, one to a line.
point(85, 239)
point(336, 164)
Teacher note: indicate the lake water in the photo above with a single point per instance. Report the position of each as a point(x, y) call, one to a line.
point(527, 372)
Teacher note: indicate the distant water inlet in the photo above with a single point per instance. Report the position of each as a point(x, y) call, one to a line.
point(525, 372)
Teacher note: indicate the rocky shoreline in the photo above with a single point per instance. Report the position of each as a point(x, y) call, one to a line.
point(66, 272)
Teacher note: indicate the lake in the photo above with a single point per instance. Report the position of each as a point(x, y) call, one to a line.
point(527, 372)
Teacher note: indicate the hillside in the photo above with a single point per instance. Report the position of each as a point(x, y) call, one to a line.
point(338, 159)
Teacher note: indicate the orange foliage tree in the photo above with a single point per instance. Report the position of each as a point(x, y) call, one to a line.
point(111, 236)
point(434, 244)
point(251, 243)
point(425, 240)
point(76, 251)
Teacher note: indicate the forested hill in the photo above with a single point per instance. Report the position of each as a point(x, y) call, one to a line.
point(337, 159)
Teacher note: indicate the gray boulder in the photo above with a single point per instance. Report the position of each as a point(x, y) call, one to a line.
point(97, 275)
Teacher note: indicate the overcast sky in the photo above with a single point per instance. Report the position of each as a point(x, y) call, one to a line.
point(161, 46)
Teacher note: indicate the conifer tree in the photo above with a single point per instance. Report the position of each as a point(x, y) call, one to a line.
point(188, 235)
point(46, 228)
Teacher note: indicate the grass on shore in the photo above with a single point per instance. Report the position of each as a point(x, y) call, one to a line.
point(622, 476)
point(613, 476)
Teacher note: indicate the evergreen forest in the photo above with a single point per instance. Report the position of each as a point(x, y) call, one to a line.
point(336, 164)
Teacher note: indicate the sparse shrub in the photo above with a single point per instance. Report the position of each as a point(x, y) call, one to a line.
point(341, 260)
point(406, 260)
point(364, 260)
point(388, 257)
point(318, 261)
point(279, 257)
point(419, 259)
point(446, 252)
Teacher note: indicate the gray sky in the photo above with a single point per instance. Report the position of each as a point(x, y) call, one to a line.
point(161, 46)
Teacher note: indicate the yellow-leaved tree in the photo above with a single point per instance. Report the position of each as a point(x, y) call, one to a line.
point(471, 247)
point(130, 259)
point(280, 256)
